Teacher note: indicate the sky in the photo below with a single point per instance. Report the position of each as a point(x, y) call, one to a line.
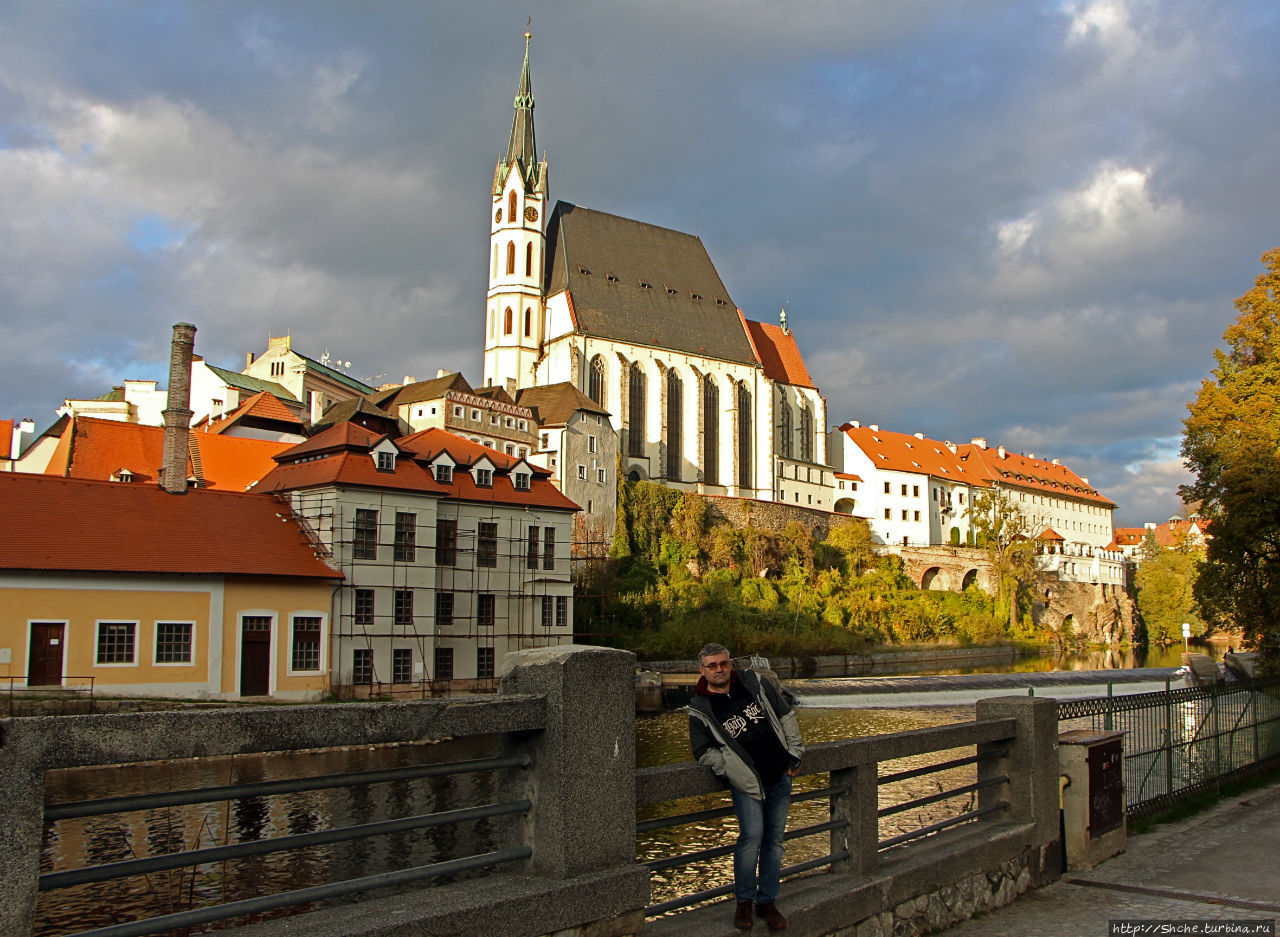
point(1026, 221)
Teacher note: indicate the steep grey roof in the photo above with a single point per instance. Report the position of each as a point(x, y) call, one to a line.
point(555, 404)
point(252, 384)
point(433, 389)
point(638, 283)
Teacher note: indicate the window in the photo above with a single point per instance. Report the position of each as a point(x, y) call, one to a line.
point(675, 423)
point(364, 607)
point(444, 474)
point(387, 461)
point(484, 478)
point(582, 472)
point(904, 491)
point(484, 663)
point(915, 515)
point(521, 481)
point(744, 436)
point(546, 611)
point(173, 642)
point(806, 435)
point(116, 640)
point(600, 476)
point(635, 415)
point(306, 643)
point(915, 491)
point(506, 330)
point(402, 665)
point(595, 380)
point(444, 609)
point(362, 665)
point(509, 422)
point(446, 542)
point(457, 411)
point(405, 550)
point(904, 515)
point(887, 489)
point(784, 428)
point(888, 515)
point(493, 418)
point(512, 217)
point(531, 556)
point(404, 606)
point(562, 611)
point(475, 415)
point(365, 546)
point(522, 425)
point(528, 321)
point(711, 430)
point(486, 609)
point(548, 548)
point(528, 262)
point(444, 663)
point(511, 268)
point(591, 444)
point(487, 544)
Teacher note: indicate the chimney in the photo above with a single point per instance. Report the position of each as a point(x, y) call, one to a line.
point(1001, 451)
point(979, 441)
point(443, 372)
point(177, 414)
point(1031, 455)
point(951, 446)
point(409, 379)
point(874, 427)
point(919, 435)
point(248, 359)
point(511, 387)
point(855, 424)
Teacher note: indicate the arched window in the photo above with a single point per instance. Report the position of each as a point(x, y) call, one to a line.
point(506, 322)
point(511, 256)
point(528, 259)
point(744, 436)
point(635, 421)
point(595, 380)
point(784, 428)
point(806, 435)
point(675, 423)
point(511, 207)
point(528, 321)
point(711, 430)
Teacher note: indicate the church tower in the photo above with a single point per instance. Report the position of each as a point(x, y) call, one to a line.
point(514, 309)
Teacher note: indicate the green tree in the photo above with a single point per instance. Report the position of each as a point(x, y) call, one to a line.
point(1232, 446)
point(1005, 531)
point(1166, 593)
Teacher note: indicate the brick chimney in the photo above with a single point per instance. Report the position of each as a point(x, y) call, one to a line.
point(177, 412)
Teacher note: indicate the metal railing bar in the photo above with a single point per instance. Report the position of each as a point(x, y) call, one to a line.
point(715, 852)
point(305, 895)
point(679, 819)
point(941, 795)
point(89, 808)
point(941, 766)
point(941, 825)
point(710, 893)
point(103, 873)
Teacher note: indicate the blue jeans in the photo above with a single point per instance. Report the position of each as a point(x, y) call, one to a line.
point(760, 828)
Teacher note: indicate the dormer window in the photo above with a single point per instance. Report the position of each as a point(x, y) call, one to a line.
point(484, 478)
point(124, 475)
point(386, 461)
point(521, 481)
point(444, 474)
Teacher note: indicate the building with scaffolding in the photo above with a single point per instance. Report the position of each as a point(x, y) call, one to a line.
point(453, 554)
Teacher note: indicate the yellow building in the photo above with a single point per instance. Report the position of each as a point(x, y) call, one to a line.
point(206, 595)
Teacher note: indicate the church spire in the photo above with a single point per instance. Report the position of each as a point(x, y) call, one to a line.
point(522, 148)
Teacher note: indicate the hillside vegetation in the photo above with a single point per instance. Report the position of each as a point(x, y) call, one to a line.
point(672, 582)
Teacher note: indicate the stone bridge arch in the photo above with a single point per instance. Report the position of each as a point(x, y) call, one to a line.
point(947, 568)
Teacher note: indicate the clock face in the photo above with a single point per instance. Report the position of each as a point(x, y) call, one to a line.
point(497, 216)
point(531, 214)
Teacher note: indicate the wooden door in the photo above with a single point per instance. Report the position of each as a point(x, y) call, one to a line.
point(255, 655)
point(44, 664)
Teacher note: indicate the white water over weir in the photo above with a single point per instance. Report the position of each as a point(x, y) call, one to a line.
point(964, 689)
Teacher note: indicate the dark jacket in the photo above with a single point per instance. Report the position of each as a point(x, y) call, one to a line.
point(724, 755)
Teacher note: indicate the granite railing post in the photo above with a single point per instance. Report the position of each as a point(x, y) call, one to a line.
point(858, 804)
point(583, 774)
point(1031, 760)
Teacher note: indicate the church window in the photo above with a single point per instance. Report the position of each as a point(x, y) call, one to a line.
point(528, 259)
point(528, 321)
point(506, 321)
point(635, 423)
point(511, 256)
point(744, 436)
point(674, 423)
point(806, 435)
point(511, 206)
point(595, 380)
point(784, 428)
point(711, 430)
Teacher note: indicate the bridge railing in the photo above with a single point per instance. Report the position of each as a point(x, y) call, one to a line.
point(975, 772)
point(556, 707)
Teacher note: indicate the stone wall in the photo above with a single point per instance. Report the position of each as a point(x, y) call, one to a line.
point(768, 515)
point(1098, 613)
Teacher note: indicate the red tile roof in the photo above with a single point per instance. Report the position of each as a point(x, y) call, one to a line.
point(337, 438)
point(352, 469)
point(262, 406)
point(1030, 474)
point(903, 452)
point(1050, 534)
point(75, 525)
point(778, 354)
point(1167, 534)
point(97, 449)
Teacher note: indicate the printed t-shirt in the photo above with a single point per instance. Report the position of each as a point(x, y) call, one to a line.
point(743, 719)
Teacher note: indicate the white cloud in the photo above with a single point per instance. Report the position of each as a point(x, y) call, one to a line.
point(1105, 22)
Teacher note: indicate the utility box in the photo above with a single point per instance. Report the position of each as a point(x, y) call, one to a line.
point(1093, 818)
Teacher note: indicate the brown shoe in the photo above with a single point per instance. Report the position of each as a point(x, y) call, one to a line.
point(742, 918)
point(772, 916)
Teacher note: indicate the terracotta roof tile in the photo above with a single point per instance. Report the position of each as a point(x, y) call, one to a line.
point(80, 525)
point(903, 452)
point(1022, 471)
point(262, 406)
point(778, 353)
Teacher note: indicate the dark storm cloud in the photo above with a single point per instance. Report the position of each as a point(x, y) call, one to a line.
point(1024, 221)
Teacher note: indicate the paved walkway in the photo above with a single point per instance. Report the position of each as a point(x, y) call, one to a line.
point(1220, 865)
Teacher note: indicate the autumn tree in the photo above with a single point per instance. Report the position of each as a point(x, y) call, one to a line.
point(1166, 590)
point(1232, 446)
point(1006, 533)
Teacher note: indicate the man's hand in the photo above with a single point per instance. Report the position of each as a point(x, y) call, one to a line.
point(792, 772)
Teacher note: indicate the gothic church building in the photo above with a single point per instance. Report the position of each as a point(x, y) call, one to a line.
point(637, 318)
